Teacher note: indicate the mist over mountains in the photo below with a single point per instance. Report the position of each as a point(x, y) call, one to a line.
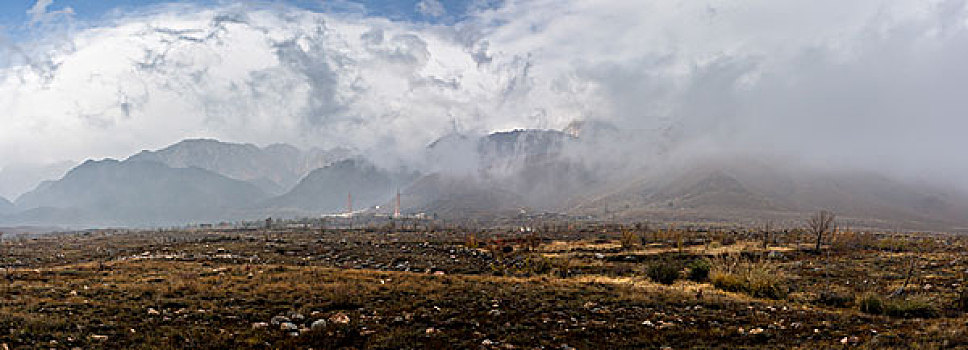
point(498, 174)
point(274, 168)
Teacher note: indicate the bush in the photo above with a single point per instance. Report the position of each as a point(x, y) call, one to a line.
point(835, 299)
point(871, 304)
point(758, 280)
point(629, 240)
point(905, 308)
point(665, 272)
point(911, 308)
point(471, 241)
point(699, 269)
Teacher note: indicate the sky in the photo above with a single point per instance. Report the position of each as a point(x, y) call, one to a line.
point(875, 84)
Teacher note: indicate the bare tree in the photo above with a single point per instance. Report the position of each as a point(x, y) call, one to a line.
point(767, 230)
point(820, 224)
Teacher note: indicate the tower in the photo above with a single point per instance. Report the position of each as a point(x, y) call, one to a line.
point(349, 203)
point(396, 208)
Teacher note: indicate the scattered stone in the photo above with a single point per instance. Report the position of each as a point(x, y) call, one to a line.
point(259, 325)
point(439, 273)
point(599, 256)
point(288, 326)
point(756, 331)
point(99, 337)
point(320, 323)
point(340, 318)
point(277, 320)
point(152, 311)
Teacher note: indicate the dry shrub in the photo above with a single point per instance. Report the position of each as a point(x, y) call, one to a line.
point(471, 241)
point(911, 308)
point(850, 240)
point(532, 242)
point(345, 296)
point(757, 279)
point(915, 307)
point(836, 298)
point(629, 239)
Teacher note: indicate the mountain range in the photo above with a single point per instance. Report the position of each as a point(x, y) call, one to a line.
point(498, 174)
point(274, 169)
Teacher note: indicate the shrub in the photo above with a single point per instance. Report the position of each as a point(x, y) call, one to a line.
point(871, 304)
point(905, 308)
point(629, 239)
point(699, 269)
point(835, 299)
point(759, 280)
point(911, 308)
point(664, 271)
point(471, 241)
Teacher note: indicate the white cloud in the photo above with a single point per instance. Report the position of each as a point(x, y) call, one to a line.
point(879, 83)
point(38, 13)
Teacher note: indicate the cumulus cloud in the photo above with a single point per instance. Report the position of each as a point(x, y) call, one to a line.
point(874, 83)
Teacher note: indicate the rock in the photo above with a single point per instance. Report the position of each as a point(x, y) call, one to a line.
point(494, 312)
point(320, 323)
point(152, 311)
point(99, 337)
point(756, 331)
point(439, 273)
point(288, 326)
point(295, 316)
point(259, 325)
point(647, 323)
point(599, 256)
point(277, 320)
point(339, 318)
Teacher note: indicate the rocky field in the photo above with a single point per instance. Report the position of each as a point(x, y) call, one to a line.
point(578, 286)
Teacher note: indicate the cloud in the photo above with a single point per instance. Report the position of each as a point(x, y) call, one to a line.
point(39, 13)
point(431, 8)
point(878, 84)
